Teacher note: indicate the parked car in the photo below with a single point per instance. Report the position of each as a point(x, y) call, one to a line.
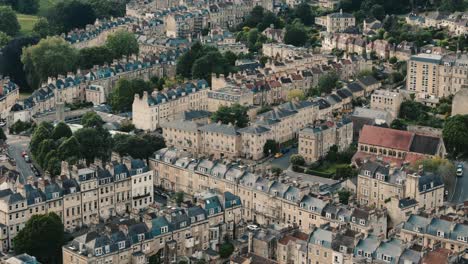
point(27, 159)
point(460, 170)
point(253, 227)
point(278, 155)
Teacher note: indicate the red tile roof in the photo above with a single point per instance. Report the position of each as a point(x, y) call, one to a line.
point(386, 137)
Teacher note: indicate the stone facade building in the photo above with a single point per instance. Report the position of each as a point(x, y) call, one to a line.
point(433, 76)
point(396, 146)
point(316, 141)
point(151, 110)
point(336, 22)
point(83, 196)
point(387, 100)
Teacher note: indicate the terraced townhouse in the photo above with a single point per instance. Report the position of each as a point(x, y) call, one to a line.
point(9, 95)
point(264, 201)
point(152, 110)
point(82, 196)
point(170, 233)
point(94, 85)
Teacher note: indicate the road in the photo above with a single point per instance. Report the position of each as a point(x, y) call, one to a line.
point(283, 162)
point(460, 193)
point(16, 145)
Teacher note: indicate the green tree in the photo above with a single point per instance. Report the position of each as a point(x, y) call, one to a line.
point(8, 21)
point(296, 94)
point(295, 35)
point(123, 94)
point(453, 5)
point(297, 160)
point(42, 237)
point(270, 147)
point(108, 8)
point(4, 39)
point(69, 149)
point(378, 12)
point(99, 55)
point(303, 11)
point(344, 196)
point(455, 134)
point(226, 249)
point(91, 119)
point(27, 6)
point(328, 82)
point(122, 43)
point(50, 57)
point(45, 147)
point(94, 143)
point(61, 130)
point(235, 115)
point(398, 124)
point(412, 110)
point(53, 166)
point(42, 28)
point(41, 133)
point(67, 15)
point(276, 171)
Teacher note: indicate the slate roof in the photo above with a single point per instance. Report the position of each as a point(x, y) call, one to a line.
point(425, 144)
point(220, 128)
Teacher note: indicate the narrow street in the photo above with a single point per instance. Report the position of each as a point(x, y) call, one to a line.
point(16, 145)
point(460, 193)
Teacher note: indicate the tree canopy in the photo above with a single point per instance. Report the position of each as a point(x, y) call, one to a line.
point(235, 115)
point(50, 57)
point(123, 94)
point(122, 43)
point(10, 61)
point(68, 15)
point(296, 34)
point(203, 60)
point(270, 147)
point(42, 237)
point(8, 21)
point(455, 134)
point(139, 147)
point(328, 82)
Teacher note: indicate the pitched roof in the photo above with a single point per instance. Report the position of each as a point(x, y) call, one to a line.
point(425, 144)
point(386, 137)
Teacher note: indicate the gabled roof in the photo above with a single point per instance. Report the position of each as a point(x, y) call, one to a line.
point(386, 137)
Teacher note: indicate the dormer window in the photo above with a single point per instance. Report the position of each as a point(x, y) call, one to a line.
point(107, 249)
point(139, 171)
point(72, 190)
point(121, 244)
point(319, 242)
point(343, 249)
point(341, 218)
point(37, 200)
point(55, 195)
point(353, 219)
point(440, 233)
point(328, 215)
point(183, 224)
point(362, 222)
point(141, 237)
point(417, 229)
point(367, 173)
point(301, 205)
point(164, 229)
point(462, 238)
point(98, 251)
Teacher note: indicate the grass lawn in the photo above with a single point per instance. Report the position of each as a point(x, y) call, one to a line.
point(330, 168)
point(27, 23)
point(45, 5)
